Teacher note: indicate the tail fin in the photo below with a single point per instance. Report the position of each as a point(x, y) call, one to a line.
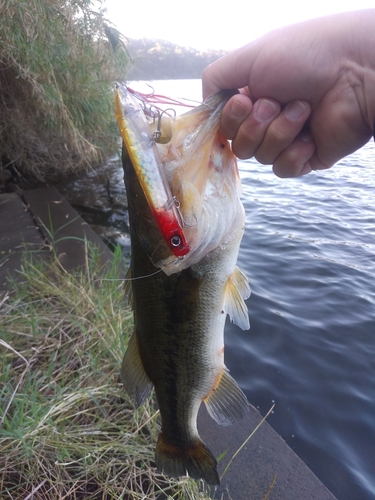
point(196, 460)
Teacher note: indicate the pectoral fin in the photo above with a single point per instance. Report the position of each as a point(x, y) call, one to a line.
point(241, 282)
point(237, 289)
point(133, 375)
point(226, 403)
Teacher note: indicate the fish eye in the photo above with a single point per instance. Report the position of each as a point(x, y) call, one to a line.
point(175, 241)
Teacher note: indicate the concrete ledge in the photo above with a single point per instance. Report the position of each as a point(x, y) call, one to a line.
point(18, 233)
point(62, 227)
point(266, 464)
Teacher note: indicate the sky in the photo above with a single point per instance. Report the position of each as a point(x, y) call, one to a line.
point(207, 24)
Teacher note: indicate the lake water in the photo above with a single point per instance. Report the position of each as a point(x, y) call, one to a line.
point(309, 253)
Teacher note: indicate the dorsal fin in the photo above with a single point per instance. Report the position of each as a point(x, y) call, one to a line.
point(236, 290)
point(226, 403)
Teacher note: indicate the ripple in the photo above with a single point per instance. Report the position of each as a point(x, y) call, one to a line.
point(309, 252)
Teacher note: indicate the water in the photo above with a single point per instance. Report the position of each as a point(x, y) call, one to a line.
point(309, 253)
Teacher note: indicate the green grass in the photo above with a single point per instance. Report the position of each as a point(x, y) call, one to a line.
point(67, 428)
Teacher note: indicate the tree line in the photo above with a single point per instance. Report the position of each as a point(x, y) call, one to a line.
point(162, 60)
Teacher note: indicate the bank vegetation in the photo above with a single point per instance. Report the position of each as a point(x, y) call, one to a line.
point(67, 428)
point(57, 70)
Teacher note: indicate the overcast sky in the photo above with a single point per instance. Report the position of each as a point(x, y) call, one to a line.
point(206, 24)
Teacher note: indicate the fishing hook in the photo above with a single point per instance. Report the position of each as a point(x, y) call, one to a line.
point(157, 134)
point(182, 221)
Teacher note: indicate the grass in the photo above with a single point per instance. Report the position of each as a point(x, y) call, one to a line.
point(57, 73)
point(67, 428)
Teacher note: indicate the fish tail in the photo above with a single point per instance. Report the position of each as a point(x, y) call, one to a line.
point(195, 460)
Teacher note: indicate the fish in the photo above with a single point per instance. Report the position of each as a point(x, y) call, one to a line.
point(180, 304)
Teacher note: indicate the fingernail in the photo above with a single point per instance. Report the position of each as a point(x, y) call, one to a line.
point(265, 110)
point(295, 110)
point(237, 110)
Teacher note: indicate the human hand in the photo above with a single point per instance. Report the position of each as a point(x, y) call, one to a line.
point(307, 93)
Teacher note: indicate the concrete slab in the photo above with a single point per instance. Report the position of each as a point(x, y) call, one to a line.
point(266, 467)
point(41, 221)
point(63, 228)
point(18, 233)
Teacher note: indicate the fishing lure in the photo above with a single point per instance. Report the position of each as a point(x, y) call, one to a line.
point(140, 144)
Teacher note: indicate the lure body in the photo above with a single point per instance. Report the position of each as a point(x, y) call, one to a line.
point(144, 154)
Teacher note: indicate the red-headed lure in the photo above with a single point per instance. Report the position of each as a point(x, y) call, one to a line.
point(140, 144)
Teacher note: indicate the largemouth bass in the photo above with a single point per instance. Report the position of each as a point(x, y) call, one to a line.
point(180, 304)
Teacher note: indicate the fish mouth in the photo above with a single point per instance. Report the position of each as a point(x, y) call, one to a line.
point(203, 175)
point(188, 176)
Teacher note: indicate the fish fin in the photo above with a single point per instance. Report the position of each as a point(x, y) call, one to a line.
point(226, 403)
point(242, 283)
point(133, 375)
point(128, 288)
point(196, 460)
point(237, 289)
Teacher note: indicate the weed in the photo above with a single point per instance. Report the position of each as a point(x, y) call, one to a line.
point(57, 71)
point(67, 428)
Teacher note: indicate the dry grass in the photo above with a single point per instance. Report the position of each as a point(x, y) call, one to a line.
point(67, 428)
point(57, 72)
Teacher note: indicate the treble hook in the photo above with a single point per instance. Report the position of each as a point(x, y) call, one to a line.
point(157, 134)
point(182, 221)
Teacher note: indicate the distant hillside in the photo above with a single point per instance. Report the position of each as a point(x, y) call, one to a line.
point(160, 60)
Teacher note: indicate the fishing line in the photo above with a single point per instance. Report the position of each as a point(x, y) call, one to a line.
point(141, 277)
point(129, 279)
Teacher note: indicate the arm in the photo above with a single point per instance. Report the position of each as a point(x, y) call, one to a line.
point(307, 93)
